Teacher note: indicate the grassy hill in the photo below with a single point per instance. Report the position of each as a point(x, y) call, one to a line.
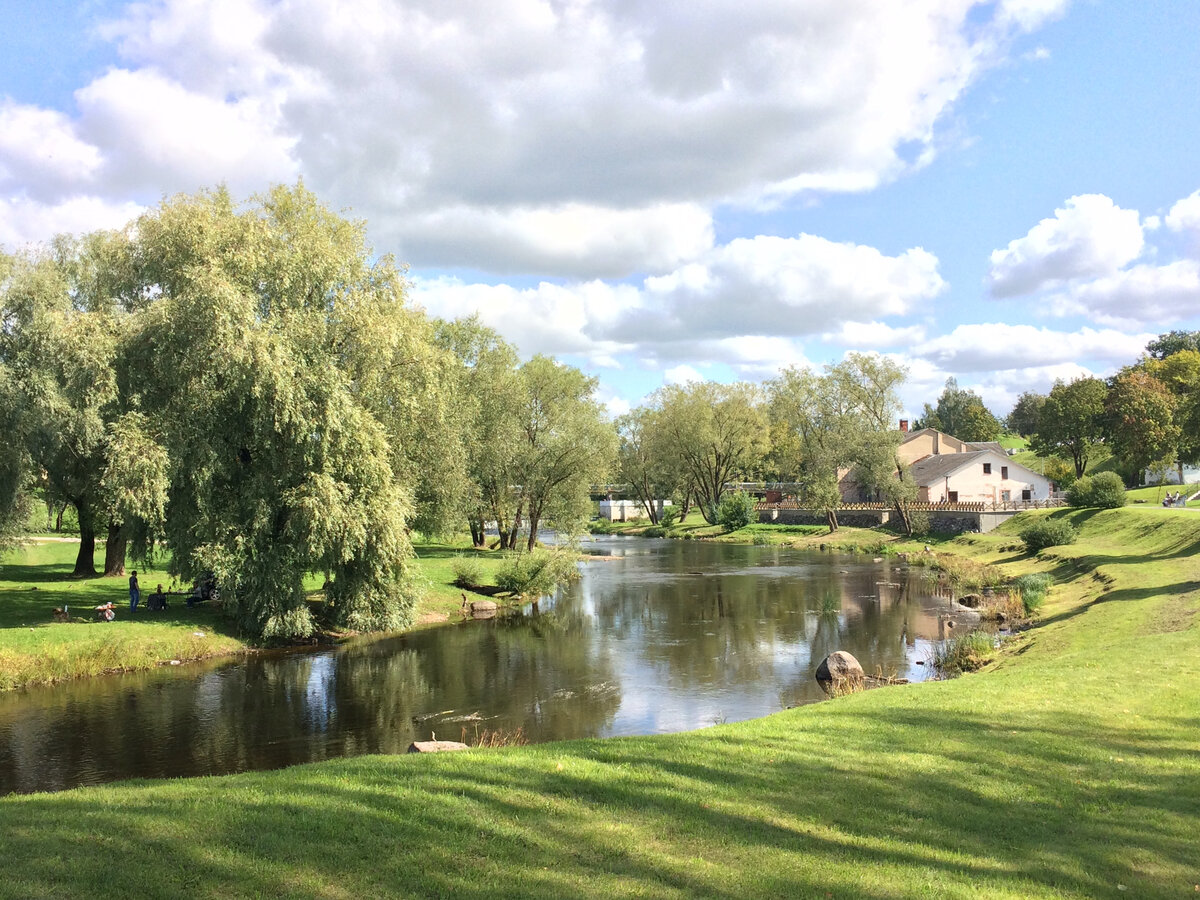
point(1068, 768)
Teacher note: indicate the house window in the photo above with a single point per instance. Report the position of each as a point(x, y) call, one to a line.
point(1026, 495)
point(954, 496)
point(987, 468)
point(1004, 471)
point(1006, 496)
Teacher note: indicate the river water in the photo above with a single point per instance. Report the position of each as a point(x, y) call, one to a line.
point(658, 636)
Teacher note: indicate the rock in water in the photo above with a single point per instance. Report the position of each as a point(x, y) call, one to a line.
point(435, 746)
point(839, 667)
point(483, 609)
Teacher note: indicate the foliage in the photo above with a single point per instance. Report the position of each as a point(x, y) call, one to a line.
point(1166, 345)
point(709, 434)
point(1060, 471)
point(1032, 587)
point(964, 654)
point(468, 571)
point(960, 412)
point(1070, 423)
point(736, 511)
point(670, 515)
point(537, 573)
point(1139, 420)
point(1026, 413)
point(1105, 490)
point(1047, 532)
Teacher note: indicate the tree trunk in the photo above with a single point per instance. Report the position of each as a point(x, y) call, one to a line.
point(58, 519)
point(85, 562)
point(831, 517)
point(114, 550)
point(534, 518)
point(478, 534)
point(514, 530)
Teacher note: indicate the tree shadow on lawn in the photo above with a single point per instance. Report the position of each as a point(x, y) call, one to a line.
point(792, 806)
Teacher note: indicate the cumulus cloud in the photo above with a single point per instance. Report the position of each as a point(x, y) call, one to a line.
point(468, 133)
point(23, 221)
point(1088, 237)
point(41, 155)
point(743, 304)
point(875, 335)
point(998, 346)
point(1143, 293)
point(681, 374)
point(783, 286)
point(1185, 214)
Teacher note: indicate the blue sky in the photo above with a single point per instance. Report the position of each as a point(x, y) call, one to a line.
point(1007, 192)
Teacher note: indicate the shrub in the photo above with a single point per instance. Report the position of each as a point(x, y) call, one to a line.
point(1106, 490)
point(1033, 590)
point(538, 573)
point(736, 510)
point(1061, 472)
point(468, 571)
point(919, 522)
point(670, 515)
point(1047, 533)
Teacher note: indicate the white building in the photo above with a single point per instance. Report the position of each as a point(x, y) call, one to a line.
point(627, 510)
point(1190, 475)
point(977, 476)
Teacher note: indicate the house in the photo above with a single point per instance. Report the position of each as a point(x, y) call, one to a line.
point(627, 510)
point(1177, 474)
point(948, 470)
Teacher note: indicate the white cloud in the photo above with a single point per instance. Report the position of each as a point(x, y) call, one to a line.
point(191, 140)
point(578, 240)
point(40, 153)
point(998, 346)
point(875, 335)
point(781, 286)
point(481, 134)
point(24, 221)
point(1185, 214)
point(1134, 296)
point(681, 374)
point(1088, 237)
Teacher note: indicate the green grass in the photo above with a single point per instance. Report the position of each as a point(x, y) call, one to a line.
point(1152, 496)
point(36, 578)
point(1069, 767)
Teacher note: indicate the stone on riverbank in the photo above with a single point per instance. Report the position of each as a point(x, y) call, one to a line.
point(839, 668)
point(436, 746)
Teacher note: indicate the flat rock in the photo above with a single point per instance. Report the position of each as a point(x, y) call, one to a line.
point(436, 746)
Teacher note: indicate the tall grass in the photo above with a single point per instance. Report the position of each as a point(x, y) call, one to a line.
point(1033, 589)
point(963, 654)
point(538, 573)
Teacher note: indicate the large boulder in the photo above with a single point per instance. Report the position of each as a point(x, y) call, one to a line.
point(839, 668)
point(483, 609)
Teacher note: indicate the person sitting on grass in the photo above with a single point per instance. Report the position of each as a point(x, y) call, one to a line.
point(158, 600)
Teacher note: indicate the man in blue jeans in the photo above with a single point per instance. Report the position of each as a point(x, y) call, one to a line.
point(135, 593)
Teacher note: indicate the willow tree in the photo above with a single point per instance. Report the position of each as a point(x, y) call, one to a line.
point(712, 433)
point(269, 337)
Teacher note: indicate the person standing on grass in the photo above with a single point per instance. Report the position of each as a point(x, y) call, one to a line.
point(135, 592)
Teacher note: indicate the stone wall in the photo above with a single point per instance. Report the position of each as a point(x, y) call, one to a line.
point(943, 520)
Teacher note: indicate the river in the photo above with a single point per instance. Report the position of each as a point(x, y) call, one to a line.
point(657, 636)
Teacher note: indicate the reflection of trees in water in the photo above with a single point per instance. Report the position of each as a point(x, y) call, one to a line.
point(557, 673)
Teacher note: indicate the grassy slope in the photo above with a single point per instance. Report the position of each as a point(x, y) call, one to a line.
point(36, 578)
point(1070, 767)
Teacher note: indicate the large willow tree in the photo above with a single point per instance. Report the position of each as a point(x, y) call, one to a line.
point(281, 371)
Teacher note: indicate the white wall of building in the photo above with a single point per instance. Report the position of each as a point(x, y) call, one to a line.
point(627, 510)
point(973, 485)
point(1191, 475)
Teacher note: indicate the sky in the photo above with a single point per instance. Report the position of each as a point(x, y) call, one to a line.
point(656, 191)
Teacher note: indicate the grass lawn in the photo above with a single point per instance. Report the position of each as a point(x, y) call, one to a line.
point(36, 578)
point(1068, 768)
point(1153, 495)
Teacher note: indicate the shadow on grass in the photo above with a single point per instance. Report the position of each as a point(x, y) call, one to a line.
point(874, 804)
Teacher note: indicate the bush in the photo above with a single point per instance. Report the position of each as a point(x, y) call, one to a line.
point(538, 573)
point(1106, 491)
point(670, 515)
point(1032, 589)
point(736, 511)
point(1047, 533)
point(468, 571)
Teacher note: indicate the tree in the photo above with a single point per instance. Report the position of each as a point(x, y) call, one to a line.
point(1180, 372)
point(960, 412)
point(59, 349)
point(1173, 342)
point(566, 445)
point(714, 434)
point(1070, 423)
point(261, 329)
point(637, 464)
point(1025, 415)
point(1139, 420)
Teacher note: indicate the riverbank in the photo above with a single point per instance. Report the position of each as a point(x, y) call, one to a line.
point(1068, 768)
point(36, 578)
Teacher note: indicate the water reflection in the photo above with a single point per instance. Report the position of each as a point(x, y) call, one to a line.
point(662, 636)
